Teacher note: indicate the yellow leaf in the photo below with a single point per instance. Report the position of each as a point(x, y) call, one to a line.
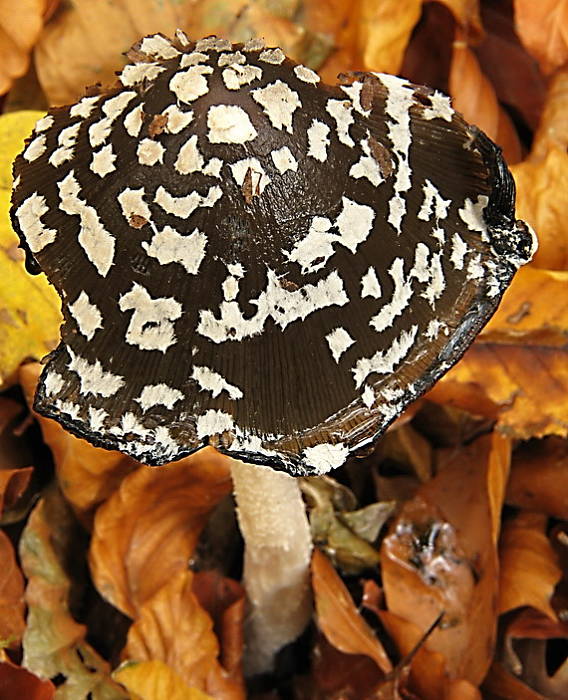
point(29, 306)
point(155, 680)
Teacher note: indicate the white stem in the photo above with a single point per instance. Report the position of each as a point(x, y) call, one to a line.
point(278, 547)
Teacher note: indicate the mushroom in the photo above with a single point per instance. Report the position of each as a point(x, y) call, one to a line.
point(251, 259)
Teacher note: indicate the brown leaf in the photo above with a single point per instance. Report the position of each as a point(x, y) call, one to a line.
point(474, 96)
point(172, 627)
point(524, 387)
point(152, 680)
point(542, 201)
point(12, 607)
point(539, 477)
point(467, 14)
point(543, 29)
point(503, 684)
point(18, 682)
point(338, 618)
point(525, 315)
point(441, 555)
point(529, 567)
point(13, 484)
point(553, 128)
point(147, 530)
point(87, 475)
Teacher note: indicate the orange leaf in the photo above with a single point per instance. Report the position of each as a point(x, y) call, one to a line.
point(467, 14)
point(529, 567)
point(553, 127)
point(503, 684)
point(474, 96)
point(172, 627)
point(17, 682)
point(87, 475)
point(441, 555)
point(543, 28)
point(147, 530)
point(338, 617)
point(12, 623)
point(151, 680)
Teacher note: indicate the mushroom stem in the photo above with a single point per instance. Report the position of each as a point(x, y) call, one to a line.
point(278, 546)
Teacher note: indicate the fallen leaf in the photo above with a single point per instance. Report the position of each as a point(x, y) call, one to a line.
point(54, 643)
point(525, 314)
point(13, 484)
point(529, 569)
point(474, 96)
point(552, 131)
point(502, 684)
point(407, 447)
point(466, 13)
point(147, 530)
point(440, 555)
point(29, 306)
point(539, 477)
point(543, 29)
point(338, 618)
point(542, 201)
point(18, 682)
point(153, 680)
point(12, 607)
point(87, 475)
point(524, 387)
point(172, 627)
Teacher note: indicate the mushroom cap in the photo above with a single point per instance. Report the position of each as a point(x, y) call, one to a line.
point(251, 259)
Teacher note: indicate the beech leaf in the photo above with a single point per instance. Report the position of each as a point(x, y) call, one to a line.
point(543, 28)
point(153, 680)
point(12, 607)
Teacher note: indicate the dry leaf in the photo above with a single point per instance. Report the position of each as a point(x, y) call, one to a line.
point(338, 618)
point(466, 12)
point(525, 314)
point(441, 555)
point(12, 623)
point(503, 684)
point(529, 567)
point(17, 682)
point(524, 387)
point(542, 201)
point(147, 530)
point(474, 96)
point(553, 127)
point(154, 680)
point(543, 29)
point(54, 643)
point(172, 627)
point(87, 475)
point(13, 484)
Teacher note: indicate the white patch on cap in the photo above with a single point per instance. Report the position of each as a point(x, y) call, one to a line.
point(434, 328)
point(306, 75)
point(158, 395)
point(472, 213)
point(133, 121)
point(213, 422)
point(354, 92)
point(112, 108)
point(183, 207)
point(441, 107)
point(158, 46)
point(475, 270)
point(102, 162)
point(229, 124)
point(325, 457)
point(367, 166)
point(95, 240)
point(433, 204)
point(275, 56)
point(87, 315)
point(29, 215)
point(177, 119)
point(190, 160)
point(236, 269)
point(129, 424)
point(84, 107)
point(279, 103)
point(230, 288)
point(212, 381)
point(368, 396)
point(283, 306)
point(259, 178)
point(284, 160)
point(67, 139)
point(53, 383)
point(44, 123)
point(254, 44)
point(190, 84)
point(169, 246)
point(93, 378)
point(355, 223)
point(150, 152)
point(151, 326)
point(400, 299)
point(385, 361)
point(132, 204)
point(318, 140)
point(341, 111)
point(36, 148)
point(236, 76)
point(459, 251)
point(370, 286)
point(229, 59)
point(138, 72)
point(437, 282)
point(213, 43)
point(193, 59)
point(339, 341)
point(97, 417)
point(421, 268)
